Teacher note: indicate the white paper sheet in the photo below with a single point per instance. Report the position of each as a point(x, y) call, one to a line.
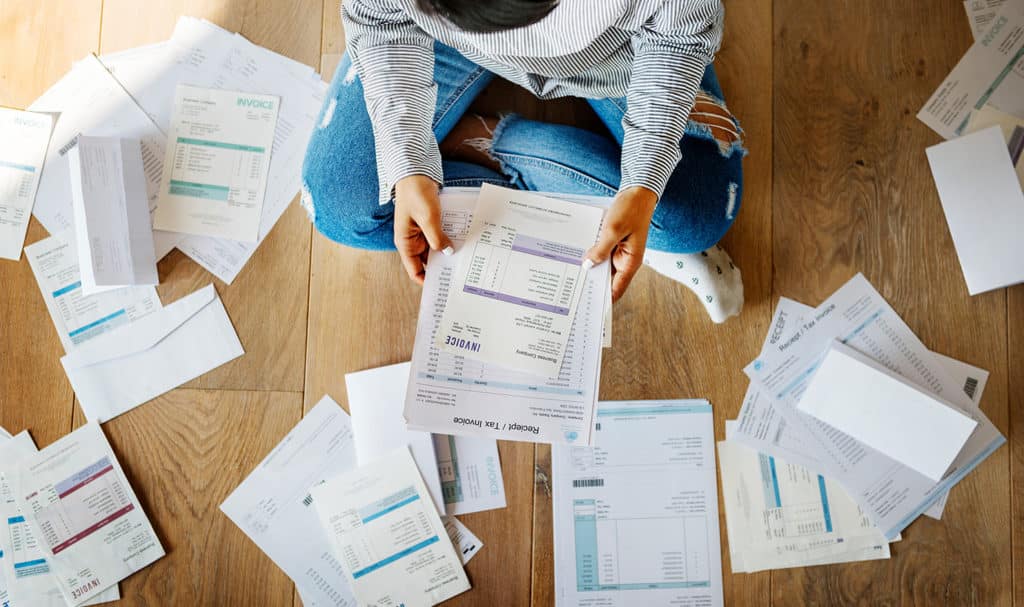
point(76, 500)
point(113, 230)
point(217, 162)
point(388, 536)
point(125, 368)
point(24, 137)
point(984, 207)
point(981, 14)
point(781, 515)
point(451, 394)
point(636, 517)
point(991, 72)
point(519, 280)
point(471, 477)
point(375, 401)
point(466, 543)
point(79, 318)
point(891, 494)
point(274, 508)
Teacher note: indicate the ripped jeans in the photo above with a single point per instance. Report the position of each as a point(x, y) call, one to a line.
point(340, 188)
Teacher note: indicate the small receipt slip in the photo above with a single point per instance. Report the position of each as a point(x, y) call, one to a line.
point(112, 225)
point(388, 536)
point(984, 206)
point(886, 412)
point(514, 296)
point(78, 503)
point(217, 162)
point(24, 137)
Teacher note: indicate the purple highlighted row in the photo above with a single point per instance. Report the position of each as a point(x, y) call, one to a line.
point(536, 305)
point(547, 249)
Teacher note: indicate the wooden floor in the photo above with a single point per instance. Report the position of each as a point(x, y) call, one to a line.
point(836, 183)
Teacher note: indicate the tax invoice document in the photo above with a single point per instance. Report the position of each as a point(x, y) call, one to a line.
point(453, 394)
point(24, 137)
point(981, 14)
point(23, 562)
point(274, 508)
point(76, 316)
point(78, 503)
point(388, 536)
point(636, 516)
point(216, 163)
point(470, 470)
point(891, 494)
point(112, 224)
point(514, 293)
point(991, 72)
point(781, 515)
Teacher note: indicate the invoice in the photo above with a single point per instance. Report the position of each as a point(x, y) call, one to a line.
point(23, 140)
point(470, 469)
point(636, 517)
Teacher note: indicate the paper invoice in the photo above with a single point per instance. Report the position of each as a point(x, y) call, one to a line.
point(216, 163)
point(77, 501)
point(375, 401)
point(636, 517)
point(112, 224)
point(514, 295)
point(388, 535)
point(274, 508)
point(470, 471)
point(451, 394)
point(77, 317)
point(24, 137)
point(991, 72)
point(981, 14)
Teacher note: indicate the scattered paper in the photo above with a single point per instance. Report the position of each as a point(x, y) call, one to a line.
point(217, 162)
point(113, 230)
point(388, 535)
point(466, 544)
point(984, 206)
point(78, 503)
point(452, 394)
point(981, 14)
point(274, 508)
point(375, 401)
point(125, 368)
point(24, 137)
point(636, 517)
point(79, 318)
point(470, 471)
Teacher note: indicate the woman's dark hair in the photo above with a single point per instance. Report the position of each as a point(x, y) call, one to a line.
point(489, 15)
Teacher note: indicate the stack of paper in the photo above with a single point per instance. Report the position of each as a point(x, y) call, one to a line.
point(879, 380)
point(452, 392)
point(73, 527)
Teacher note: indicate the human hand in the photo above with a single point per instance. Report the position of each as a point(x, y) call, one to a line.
point(418, 224)
point(624, 236)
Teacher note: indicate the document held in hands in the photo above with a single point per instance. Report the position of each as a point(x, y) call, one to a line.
point(24, 137)
point(984, 206)
point(886, 412)
point(388, 535)
point(217, 162)
point(78, 503)
point(112, 224)
point(514, 296)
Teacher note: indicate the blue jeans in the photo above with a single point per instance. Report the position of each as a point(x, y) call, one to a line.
point(340, 188)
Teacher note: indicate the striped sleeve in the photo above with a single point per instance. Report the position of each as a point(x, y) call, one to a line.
point(395, 62)
point(670, 55)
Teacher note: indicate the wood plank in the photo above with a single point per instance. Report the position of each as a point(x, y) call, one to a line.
point(268, 300)
point(183, 454)
point(38, 43)
point(1015, 364)
point(853, 193)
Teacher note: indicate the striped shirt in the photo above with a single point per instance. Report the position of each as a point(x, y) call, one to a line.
point(652, 52)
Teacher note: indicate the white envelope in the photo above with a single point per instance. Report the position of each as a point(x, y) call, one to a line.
point(133, 364)
point(861, 398)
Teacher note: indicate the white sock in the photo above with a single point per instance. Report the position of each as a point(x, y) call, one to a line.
point(710, 274)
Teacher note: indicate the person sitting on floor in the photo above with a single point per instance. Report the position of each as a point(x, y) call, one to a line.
point(672, 157)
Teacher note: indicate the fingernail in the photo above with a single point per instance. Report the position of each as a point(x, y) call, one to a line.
point(587, 264)
point(448, 251)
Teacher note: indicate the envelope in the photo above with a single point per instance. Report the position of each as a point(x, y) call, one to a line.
point(137, 362)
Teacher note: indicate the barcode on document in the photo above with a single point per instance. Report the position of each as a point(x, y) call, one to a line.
point(307, 501)
point(588, 482)
point(970, 387)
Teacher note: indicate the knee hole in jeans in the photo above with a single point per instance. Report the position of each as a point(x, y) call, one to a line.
point(711, 117)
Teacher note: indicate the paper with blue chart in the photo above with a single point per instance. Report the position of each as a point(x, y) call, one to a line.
point(24, 137)
point(636, 516)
